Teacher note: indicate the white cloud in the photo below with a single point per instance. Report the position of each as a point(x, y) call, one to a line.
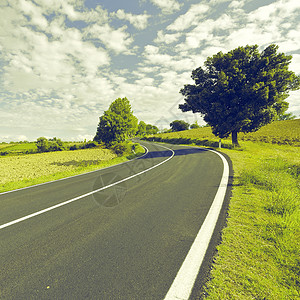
point(117, 40)
point(138, 21)
point(295, 63)
point(191, 17)
point(63, 75)
point(167, 6)
point(166, 38)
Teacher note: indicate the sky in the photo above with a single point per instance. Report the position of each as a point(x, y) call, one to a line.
point(62, 62)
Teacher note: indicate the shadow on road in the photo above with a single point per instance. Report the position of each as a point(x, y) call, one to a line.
point(167, 153)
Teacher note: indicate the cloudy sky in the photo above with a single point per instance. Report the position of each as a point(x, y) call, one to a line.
point(64, 61)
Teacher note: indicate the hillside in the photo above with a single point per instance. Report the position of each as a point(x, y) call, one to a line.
point(279, 132)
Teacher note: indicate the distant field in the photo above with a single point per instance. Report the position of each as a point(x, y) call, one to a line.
point(18, 148)
point(25, 148)
point(280, 132)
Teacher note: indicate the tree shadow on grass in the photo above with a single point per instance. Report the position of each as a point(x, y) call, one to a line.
point(74, 163)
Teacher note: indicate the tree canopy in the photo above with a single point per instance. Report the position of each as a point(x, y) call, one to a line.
point(195, 125)
point(54, 144)
point(242, 90)
point(144, 129)
point(117, 123)
point(179, 125)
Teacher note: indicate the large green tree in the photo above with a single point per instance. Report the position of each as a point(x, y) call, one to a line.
point(117, 123)
point(242, 90)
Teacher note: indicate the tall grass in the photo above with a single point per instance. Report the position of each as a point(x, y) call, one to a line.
point(259, 254)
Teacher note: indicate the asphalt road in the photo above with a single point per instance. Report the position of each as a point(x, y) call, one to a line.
point(127, 241)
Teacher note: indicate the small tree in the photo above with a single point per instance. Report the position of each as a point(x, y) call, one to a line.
point(242, 90)
point(141, 129)
point(117, 123)
point(286, 116)
point(179, 125)
point(151, 129)
point(42, 144)
point(195, 125)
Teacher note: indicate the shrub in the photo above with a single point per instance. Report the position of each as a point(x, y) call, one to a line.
point(89, 144)
point(74, 147)
point(122, 148)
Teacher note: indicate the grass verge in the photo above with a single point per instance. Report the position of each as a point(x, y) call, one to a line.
point(27, 170)
point(259, 254)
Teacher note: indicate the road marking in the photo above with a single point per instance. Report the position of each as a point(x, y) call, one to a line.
point(32, 186)
point(88, 194)
point(183, 283)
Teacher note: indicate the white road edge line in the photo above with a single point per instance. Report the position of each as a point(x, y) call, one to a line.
point(183, 283)
point(43, 183)
point(85, 195)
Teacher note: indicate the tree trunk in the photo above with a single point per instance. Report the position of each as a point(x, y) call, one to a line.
point(234, 137)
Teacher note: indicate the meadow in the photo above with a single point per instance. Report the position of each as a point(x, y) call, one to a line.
point(18, 171)
point(258, 257)
point(10, 149)
point(279, 132)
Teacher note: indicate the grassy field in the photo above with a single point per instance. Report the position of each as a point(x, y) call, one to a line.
point(13, 149)
point(259, 254)
point(18, 148)
point(25, 170)
point(280, 132)
point(258, 257)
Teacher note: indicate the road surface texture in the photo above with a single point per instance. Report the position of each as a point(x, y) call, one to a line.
point(111, 241)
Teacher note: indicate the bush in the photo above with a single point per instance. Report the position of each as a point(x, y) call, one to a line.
point(120, 148)
point(91, 144)
point(123, 148)
point(44, 145)
point(88, 145)
point(74, 147)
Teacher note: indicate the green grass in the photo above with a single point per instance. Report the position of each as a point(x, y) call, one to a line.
point(259, 254)
point(27, 170)
point(280, 132)
point(17, 149)
point(258, 257)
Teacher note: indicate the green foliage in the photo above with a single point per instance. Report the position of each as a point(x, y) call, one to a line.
point(179, 125)
point(125, 148)
point(242, 90)
point(89, 144)
point(74, 147)
point(117, 123)
point(195, 125)
point(141, 129)
point(286, 116)
point(44, 145)
point(121, 148)
point(146, 129)
point(151, 129)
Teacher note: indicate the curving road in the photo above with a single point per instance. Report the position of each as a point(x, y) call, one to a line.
point(118, 233)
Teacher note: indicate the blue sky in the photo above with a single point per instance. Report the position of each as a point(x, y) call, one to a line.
point(63, 62)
